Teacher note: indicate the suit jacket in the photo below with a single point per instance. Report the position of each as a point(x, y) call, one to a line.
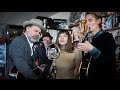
point(40, 55)
point(20, 56)
point(103, 67)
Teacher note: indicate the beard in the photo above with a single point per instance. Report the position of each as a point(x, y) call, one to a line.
point(34, 39)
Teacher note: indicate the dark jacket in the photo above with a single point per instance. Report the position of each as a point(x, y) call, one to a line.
point(20, 56)
point(40, 55)
point(103, 67)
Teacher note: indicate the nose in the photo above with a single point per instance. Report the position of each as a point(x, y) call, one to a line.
point(38, 34)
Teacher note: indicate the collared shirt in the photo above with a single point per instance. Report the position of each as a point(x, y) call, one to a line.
point(30, 43)
point(95, 52)
point(46, 50)
point(98, 33)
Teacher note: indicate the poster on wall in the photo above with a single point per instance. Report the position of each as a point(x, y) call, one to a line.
point(60, 24)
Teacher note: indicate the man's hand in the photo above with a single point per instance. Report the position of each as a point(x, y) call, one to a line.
point(41, 67)
point(86, 47)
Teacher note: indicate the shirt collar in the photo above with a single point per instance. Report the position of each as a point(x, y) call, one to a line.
point(30, 43)
point(99, 33)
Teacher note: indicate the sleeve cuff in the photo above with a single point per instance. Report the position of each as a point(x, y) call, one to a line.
point(95, 53)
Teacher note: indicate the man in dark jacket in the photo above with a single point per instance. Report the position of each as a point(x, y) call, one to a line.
point(101, 50)
point(20, 50)
point(40, 54)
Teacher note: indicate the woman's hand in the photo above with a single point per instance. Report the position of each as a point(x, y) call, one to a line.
point(76, 71)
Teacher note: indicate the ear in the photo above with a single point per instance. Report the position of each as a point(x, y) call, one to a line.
point(98, 21)
point(41, 35)
point(27, 28)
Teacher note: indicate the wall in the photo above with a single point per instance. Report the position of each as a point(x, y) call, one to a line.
point(17, 18)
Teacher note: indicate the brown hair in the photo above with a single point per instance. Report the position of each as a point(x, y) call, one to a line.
point(69, 46)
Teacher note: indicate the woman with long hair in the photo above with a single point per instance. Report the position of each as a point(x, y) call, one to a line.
point(67, 64)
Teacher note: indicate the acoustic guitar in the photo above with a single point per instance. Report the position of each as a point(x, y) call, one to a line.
point(86, 59)
point(84, 66)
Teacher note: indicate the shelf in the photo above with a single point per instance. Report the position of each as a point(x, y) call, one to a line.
point(114, 28)
point(106, 16)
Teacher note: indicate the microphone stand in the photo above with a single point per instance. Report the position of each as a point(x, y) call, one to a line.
point(54, 69)
point(53, 53)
